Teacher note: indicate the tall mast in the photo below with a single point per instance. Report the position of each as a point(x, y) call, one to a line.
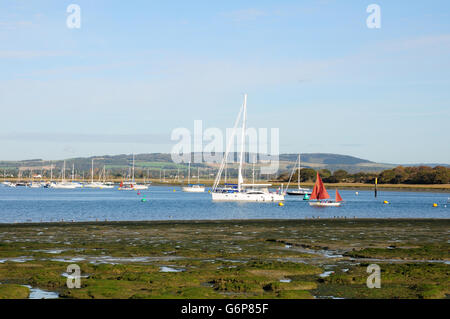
point(92, 171)
point(189, 173)
point(73, 170)
point(225, 174)
point(198, 175)
point(51, 171)
point(241, 159)
point(132, 171)
point(253, 175)
point(299, 167)
point(63, 175)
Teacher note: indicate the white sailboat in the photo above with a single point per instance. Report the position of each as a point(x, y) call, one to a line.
point(92, 184)
point(64, 184)
point(99, 184)
point(32, 183)
point(9, 184)
point(242, 192)
point(300, 191)
point(104, 184)
point(77, 184)
point(193, 188)
point(132, 185)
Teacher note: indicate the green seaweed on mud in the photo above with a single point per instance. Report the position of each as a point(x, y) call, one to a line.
point(229, 259)
point(11, 291)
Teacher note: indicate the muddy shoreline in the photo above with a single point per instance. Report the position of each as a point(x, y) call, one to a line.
point(307, 258)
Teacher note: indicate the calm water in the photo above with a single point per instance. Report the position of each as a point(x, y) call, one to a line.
point(35, 205)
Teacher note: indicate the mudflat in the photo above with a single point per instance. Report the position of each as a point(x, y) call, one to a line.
point(312, 258)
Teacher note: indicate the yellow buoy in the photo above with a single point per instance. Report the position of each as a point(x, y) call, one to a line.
point(435, 205)
point(280, 204)
point(174, 190)
point(385, 202)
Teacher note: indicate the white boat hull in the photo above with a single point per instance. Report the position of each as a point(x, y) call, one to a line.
point(325, 204)
point(64, 186)
point(9, 184)
point(299, 192)
point(244, 197)
point(190, 189)
point(106, 186)
point(91, 185)
point(140, 187)
point(98, 185)
point(134, 188)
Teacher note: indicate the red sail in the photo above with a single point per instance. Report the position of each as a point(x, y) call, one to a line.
point(338, 197)
point(319, 191)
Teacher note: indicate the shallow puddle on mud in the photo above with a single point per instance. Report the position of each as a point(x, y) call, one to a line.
point(36, 293)
point(170, 269)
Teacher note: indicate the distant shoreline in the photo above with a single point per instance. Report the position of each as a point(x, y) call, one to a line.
point(441, 188)
point(221, 221)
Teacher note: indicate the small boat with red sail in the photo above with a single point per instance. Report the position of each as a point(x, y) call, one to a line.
point(319, 196)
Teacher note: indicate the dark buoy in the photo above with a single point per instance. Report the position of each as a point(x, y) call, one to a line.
point(376, 183)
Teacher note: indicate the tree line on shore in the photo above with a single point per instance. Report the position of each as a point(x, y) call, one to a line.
point(397, 175)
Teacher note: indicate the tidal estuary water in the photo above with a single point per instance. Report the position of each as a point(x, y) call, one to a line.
point(163, 203)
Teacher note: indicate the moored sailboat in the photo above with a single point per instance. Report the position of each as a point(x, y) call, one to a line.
point(319, 196)
point(92, 184)
point(132, 185)
point(300, 190)
point(193, 188)
point(242, 192)
point(64, 184)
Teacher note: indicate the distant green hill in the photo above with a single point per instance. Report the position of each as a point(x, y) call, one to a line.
point(164, 161)
point(324, 158)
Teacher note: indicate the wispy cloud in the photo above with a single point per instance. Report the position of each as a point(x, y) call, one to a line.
point(427, 42)
point(31, 54)
point(58, 137)
point(245, 14)
point(14, 25)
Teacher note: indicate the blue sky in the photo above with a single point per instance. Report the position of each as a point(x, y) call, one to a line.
point(134, 72)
